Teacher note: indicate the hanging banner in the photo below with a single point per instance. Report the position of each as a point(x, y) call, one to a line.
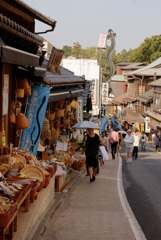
point(147, 127)
point(102, 40)
point(104, 93)
point(35, 114)
point(80, 133)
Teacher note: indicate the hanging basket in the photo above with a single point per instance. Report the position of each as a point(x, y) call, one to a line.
point(13, 118)
point(50, 115)
point(59, 113)
point(23, 83)
point(74, 104)
point(20, 93)
point(68, 108)
point(27, 91)
point(22, 121)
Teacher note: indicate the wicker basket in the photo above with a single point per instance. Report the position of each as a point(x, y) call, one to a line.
point(20, 93)
point(13, 118)
point(59, 113)
point(50, 115)
point(68, 108)
point(34, 172)
point(22, 121)
point(74, 104)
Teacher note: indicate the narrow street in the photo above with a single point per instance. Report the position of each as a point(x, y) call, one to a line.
point(142, 185)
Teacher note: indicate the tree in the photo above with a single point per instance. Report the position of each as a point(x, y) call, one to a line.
point(148, 51)
point(67, 51)
point(77, 50)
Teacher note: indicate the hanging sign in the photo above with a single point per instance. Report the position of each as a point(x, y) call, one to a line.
point(104, 93)
point(147, 127)
point(102, 40)
point(80, 119)
point(35, 114)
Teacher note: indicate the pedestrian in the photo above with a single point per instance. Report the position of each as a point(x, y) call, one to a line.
point(143, 141)
point(91, 144)
point(104, 140)
point(157, 142)
point(114, 139)
point(136, 144)
point(154, 139)
point(119, 144)
point(129, 141)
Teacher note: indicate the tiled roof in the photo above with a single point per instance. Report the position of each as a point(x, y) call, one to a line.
point(19, 4)
point(147, 96)
point(65, 77)
point(134, 66)
point(154, 65)
point(6, 22)
point(118, 88)
point(156, 83)
point(118, 78)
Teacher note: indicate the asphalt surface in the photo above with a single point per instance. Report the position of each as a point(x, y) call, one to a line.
point(142, 185)
point(97, 211)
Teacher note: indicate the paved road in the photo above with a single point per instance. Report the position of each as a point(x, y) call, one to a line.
point(142, 185)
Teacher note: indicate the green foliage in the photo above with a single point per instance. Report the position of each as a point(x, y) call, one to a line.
point(147, 52)
point(67, 51)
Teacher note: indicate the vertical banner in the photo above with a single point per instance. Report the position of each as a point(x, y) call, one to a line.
point(104, 93)
point(80, 119)
point(35, 114)
point(102, 40)
point(147, 127)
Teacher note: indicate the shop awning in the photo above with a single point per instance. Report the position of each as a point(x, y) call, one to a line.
point(18, 57)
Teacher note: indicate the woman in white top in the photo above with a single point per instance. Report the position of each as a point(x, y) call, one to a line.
point(129, 140)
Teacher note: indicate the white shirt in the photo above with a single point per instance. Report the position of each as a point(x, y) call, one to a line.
point(136, 143)
point(129, 140)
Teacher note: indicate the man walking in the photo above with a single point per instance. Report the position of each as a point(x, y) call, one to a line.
point(129, 140)
point(114, 139)
point(136, 144)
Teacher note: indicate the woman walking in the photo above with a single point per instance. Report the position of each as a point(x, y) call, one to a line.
point(91, 144)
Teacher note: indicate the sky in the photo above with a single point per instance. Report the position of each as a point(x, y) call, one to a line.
point(83, 20)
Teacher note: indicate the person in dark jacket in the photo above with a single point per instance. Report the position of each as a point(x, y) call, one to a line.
point(91, 144)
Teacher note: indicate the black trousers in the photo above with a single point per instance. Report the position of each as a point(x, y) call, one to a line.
point(135, 152)
point(113, 149)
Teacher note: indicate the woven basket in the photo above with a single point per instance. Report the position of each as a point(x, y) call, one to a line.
point(20, 92)
point(74, 104)
point(13, 118)
point(68, 108)
point(33, 172)
point(59, 113)
point(22, 121)
point(18, 158)
point(50, 115)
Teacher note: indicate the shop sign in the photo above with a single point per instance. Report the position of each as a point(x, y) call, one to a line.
point(142, 127)
point(147, 127)
point(35, 113)
point(80, 134)
point(102, 40)
point(94, 91)
point(5, 94)
point(104, 93)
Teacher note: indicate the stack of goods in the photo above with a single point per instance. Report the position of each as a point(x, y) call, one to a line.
point(78, 160)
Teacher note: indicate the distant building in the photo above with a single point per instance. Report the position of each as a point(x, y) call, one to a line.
point(88, 68)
